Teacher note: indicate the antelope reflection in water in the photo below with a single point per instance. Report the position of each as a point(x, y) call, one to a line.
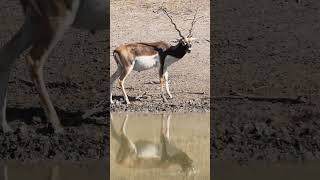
point(145, 154)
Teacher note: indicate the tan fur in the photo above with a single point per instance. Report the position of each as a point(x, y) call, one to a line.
point(130, 51)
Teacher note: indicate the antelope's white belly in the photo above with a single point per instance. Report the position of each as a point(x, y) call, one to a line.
point(149, 151)
point(142, 63)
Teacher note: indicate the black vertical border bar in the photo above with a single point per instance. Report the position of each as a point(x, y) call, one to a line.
point(107, 59)
point(212, 78)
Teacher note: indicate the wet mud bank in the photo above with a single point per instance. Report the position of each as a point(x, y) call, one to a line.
point(33, 138)
point(202, 105)
point(265, 131)
point(266, 55)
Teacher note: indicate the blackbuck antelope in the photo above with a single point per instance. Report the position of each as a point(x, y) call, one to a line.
point(44, 25)
point(143, 56)
point(145, 154)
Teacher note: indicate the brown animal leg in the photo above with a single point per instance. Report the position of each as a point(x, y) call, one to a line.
point(166, 78)
point(122, 78)
point(113, 78)
point(49, 33)
point(36, 73)
point(162, 81)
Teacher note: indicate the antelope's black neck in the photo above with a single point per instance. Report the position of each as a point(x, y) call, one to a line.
point(177, 51)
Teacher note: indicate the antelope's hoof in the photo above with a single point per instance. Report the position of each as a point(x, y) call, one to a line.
point(128, 103)
point(170, 97)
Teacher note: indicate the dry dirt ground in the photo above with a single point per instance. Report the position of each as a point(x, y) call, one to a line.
point(136, 21)
point(266, 49)
point(75, 75)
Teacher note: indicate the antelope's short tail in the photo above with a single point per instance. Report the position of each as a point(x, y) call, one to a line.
point(117, 57)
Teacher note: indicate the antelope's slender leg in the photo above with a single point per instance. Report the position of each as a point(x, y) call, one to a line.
point(165, 128)
point(162, 125)
point(50, 32)
point(167, 133)
point(124, 125)
point(113, 131)
point(166, 78)
point(162, 81)
point(131, 146)
point(113, 78)
point(164, 140)
point(36, 73)
point(8, 55)
point(123, 76)
point(126, 144)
